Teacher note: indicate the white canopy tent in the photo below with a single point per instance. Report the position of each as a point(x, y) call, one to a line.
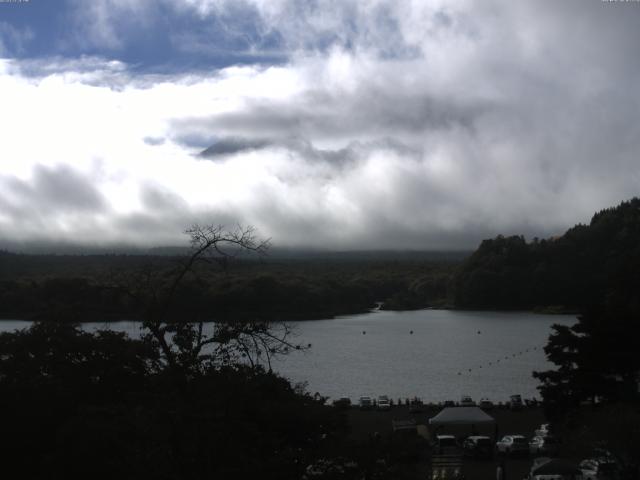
point(464, 421)
point(462, 416)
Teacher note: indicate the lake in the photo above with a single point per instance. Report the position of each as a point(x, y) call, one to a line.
point(450, 353)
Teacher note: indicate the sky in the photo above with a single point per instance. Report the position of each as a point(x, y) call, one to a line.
point(336, 124)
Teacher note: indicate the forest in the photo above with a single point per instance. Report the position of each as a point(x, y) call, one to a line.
point(554, 275)
point(267, 288)
point(562, 274)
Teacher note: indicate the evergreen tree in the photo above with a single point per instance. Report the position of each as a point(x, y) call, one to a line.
point(596, 360)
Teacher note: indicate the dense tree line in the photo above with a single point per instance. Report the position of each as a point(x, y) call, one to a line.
point(270, 289)
point(566, 273)
point(556, 274)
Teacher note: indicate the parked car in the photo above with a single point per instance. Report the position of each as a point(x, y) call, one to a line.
point(512, 445)
point(515, 402)
point(365, 403)
point(543, 430)
point(467, 401)
point(446, 444)
point(416, 406)
point(342, 403)
point(446, 467)
point(478, 446)
point(547, 445)
point(384, 403)
point(486, 404)
point(545, 468)
point(323, 468)
point(603, 468)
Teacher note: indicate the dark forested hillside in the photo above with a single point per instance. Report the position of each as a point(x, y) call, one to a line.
point(588, 263)
point(309, 287)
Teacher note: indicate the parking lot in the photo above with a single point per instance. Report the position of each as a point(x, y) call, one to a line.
point(367, 423)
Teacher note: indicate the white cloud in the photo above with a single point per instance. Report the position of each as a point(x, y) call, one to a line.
point(421, 124)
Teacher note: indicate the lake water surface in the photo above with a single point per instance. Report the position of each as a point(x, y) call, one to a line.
point(449, 354)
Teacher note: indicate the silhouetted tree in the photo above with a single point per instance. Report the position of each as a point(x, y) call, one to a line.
point(596, 360)
point(173, 320)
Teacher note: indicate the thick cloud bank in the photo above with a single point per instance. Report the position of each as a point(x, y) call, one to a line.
point(385, 124)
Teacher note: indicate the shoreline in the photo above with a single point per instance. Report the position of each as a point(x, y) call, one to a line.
point(312, 318)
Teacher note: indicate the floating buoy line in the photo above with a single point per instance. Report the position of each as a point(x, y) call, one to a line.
point(507, 357)
point(489, 364)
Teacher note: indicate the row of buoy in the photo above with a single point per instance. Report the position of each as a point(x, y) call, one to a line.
point(364, 332)
point(507, 357)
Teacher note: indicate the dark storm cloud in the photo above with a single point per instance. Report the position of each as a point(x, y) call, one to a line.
point(353, 153)
point(161, 227)
point(232, 145)
point(336, 158)
point(57, 203)
point(196, 139)
point(305, 150)
point(329, 115)
point(159, 199)
point(58, 189)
